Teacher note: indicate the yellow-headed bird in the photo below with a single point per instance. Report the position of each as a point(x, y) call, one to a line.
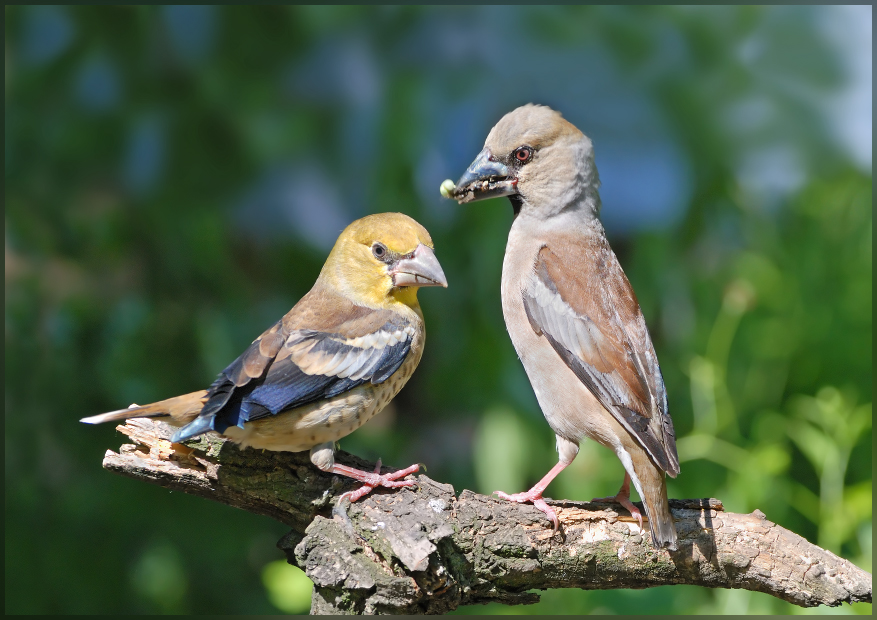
point(335, 360)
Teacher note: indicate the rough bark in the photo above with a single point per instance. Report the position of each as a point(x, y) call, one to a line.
point(428, 550)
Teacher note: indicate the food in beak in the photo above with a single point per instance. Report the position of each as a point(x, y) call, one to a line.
point(447, 188)
point(485, 178)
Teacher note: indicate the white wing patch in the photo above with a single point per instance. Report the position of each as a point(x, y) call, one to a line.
point(577, 333)
point(352, 358)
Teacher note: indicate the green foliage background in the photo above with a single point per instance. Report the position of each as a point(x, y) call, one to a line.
point(175, 177)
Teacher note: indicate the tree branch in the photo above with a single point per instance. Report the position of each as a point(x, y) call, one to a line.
point(430, 551)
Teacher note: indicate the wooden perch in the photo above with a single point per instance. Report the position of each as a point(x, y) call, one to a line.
point(428, 550)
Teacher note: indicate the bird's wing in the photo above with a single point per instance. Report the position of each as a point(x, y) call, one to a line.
point(323, 347)
point(579, 298)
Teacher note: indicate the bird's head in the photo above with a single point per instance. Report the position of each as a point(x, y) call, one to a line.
point(541, 161)
point(381, 259)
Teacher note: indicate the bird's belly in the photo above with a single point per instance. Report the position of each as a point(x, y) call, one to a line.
point(304, 427)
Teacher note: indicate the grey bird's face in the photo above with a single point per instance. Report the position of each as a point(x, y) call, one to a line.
point(536, 158)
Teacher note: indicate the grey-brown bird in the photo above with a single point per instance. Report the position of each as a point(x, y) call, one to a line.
point(570, 311)
point(331, 363)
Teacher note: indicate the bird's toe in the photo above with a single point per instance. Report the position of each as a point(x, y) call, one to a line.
point(402, 473)
point(549, 512)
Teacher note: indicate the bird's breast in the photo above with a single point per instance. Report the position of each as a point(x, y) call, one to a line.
point(517, 268)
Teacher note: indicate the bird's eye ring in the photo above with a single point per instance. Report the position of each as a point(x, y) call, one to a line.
point(523, 154)
point(379, 250)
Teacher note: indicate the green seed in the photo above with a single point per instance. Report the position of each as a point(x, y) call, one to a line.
point(447, 188)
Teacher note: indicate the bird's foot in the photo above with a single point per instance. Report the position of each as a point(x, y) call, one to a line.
point(534, 497)
point(373, 480)
point(624, 499)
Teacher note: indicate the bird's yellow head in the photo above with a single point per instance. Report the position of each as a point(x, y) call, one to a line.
point(383, 259)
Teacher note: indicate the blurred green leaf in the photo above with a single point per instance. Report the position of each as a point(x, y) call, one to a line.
point(289, 589)
point(500, 452)
point(159, 576)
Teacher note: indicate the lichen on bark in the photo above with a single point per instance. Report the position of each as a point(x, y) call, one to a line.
point(429, 550)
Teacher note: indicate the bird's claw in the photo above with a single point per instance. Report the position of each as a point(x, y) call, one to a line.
point(517, 497)
point(625, 502)
point(549, 512)
point(536, 500)
point(390, 481)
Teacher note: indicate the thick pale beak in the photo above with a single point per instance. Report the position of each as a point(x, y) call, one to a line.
point(421, 269)
point(485, 178)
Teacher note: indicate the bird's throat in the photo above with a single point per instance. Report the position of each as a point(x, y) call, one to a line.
point(517, 203)
point(406, 295)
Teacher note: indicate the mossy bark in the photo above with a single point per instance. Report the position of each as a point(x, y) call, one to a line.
point(429, 550)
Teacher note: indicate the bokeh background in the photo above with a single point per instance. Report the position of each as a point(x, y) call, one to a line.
point(176, 176)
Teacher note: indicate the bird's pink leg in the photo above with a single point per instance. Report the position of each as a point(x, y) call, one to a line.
point(623, 498)
point(372, 480)
point(534, 495)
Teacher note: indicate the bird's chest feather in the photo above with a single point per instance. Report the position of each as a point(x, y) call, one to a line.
point(517, 269)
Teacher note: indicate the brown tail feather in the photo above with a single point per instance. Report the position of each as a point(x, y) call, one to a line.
point(660, 520)
point(180, 410)
point(654, 496)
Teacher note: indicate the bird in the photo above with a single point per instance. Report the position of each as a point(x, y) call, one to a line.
point(335, 360)
point(571, 312)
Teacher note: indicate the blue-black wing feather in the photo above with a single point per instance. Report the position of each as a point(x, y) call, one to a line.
point(236, 398)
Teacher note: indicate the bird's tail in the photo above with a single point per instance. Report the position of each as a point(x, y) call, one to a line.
point(654, 496)
point(178, 411)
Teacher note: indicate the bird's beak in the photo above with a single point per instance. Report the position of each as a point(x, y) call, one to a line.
point(420, 269)
point(485, 178)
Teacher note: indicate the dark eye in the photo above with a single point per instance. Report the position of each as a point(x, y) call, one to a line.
point(379, 250)
point(523, 154)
